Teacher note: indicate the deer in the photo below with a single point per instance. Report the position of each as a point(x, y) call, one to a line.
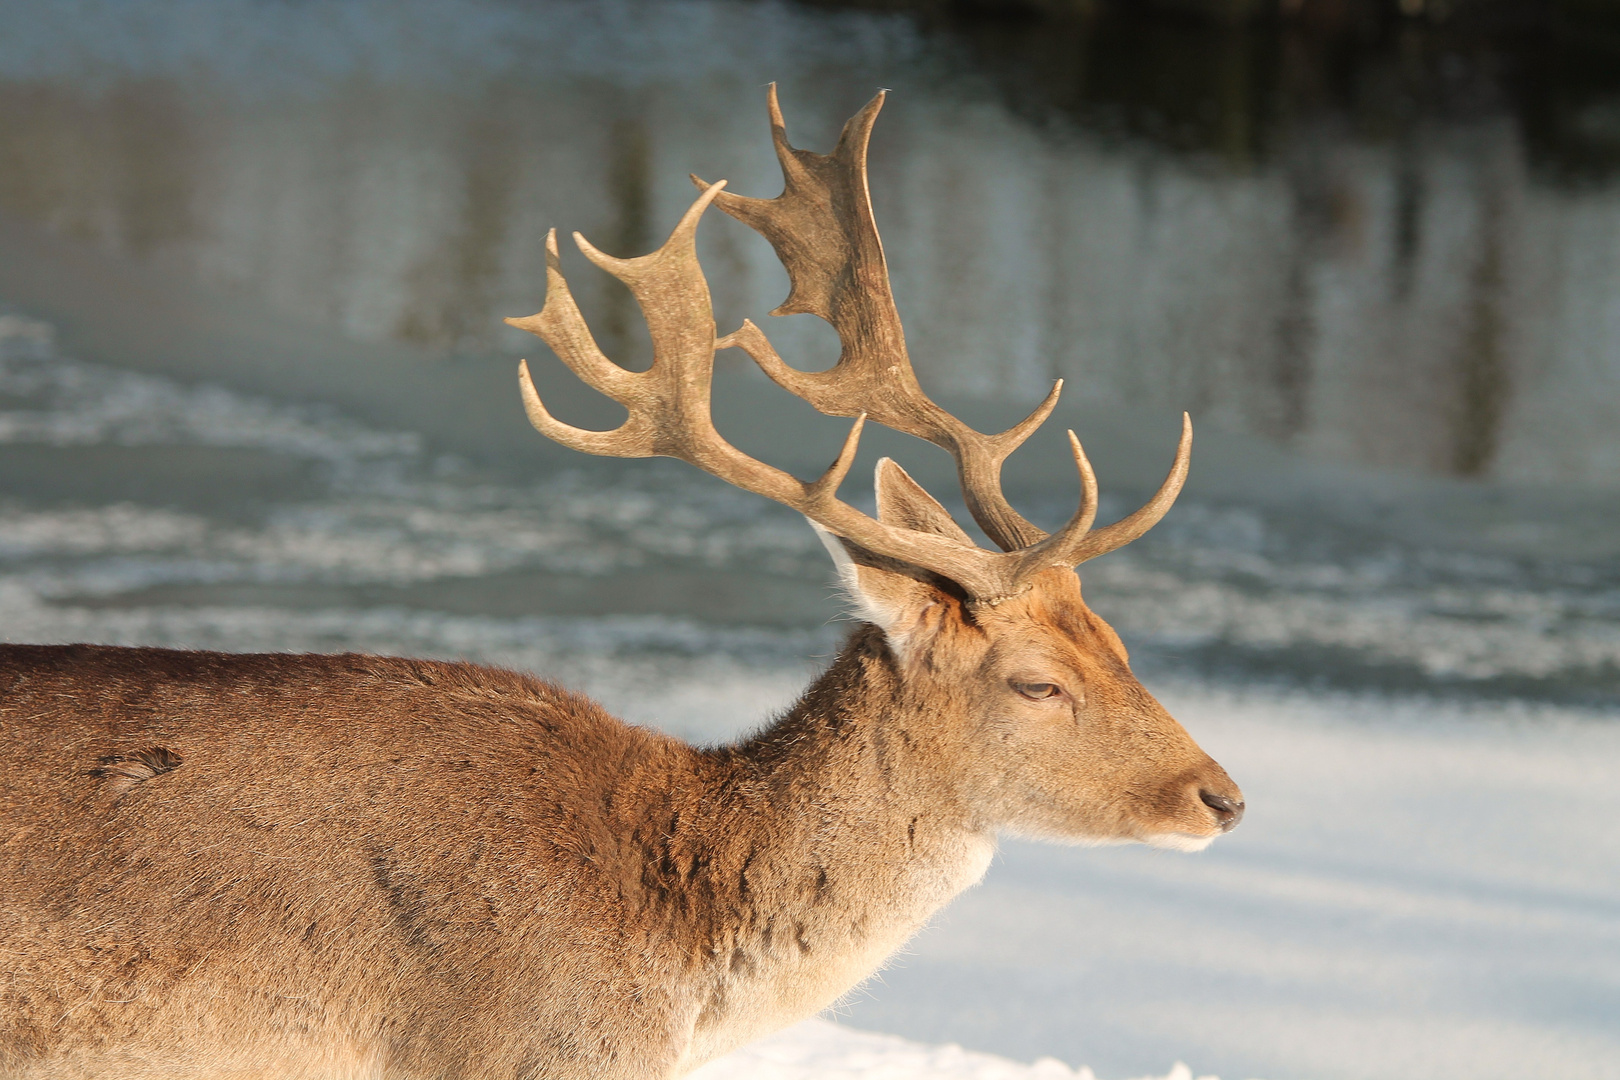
point(299, 866)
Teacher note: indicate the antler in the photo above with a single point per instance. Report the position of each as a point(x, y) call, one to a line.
point(822, 228)
point(824, 233)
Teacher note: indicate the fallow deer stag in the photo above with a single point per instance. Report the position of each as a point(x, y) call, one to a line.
point(351, 866)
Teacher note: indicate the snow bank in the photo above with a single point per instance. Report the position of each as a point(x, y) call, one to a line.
point(819, 1050)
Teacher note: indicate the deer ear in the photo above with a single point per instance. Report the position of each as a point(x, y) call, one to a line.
point(902, 501)
point(892, 594)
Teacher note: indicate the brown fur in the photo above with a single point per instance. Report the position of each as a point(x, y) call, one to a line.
point(226, 865)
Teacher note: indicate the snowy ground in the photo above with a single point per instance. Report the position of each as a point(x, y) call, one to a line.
point(819, 1050)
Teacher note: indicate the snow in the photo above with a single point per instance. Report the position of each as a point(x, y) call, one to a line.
point(819, 1050)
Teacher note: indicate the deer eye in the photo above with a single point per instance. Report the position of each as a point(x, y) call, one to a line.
point(1037, 691)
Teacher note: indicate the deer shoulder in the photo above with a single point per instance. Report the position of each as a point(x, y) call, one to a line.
point(313, 866)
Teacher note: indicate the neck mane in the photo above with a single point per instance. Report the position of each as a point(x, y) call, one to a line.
point(833, 835)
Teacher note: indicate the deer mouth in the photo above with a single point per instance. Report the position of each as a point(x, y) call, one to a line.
point(1180, 841)
point(1224, 811)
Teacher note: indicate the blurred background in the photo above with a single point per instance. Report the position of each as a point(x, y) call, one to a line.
point(255, 393)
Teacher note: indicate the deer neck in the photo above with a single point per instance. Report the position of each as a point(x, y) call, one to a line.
point(845, 834)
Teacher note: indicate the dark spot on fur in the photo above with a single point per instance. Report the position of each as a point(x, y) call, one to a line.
point(531, 1067)
point(911, 833)
point(741, 962)
point(406, 901)
point(821, 883)
point(798, 937)
point(123, 772)
point(660, 873)
point(668, 873)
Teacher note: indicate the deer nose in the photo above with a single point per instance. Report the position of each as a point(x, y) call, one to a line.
point(1228, 812)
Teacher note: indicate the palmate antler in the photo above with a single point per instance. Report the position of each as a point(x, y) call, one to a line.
point(823, 231)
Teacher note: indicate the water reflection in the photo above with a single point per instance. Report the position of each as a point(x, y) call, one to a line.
point(1372, 283)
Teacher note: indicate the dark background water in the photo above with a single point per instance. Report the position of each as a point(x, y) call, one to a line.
point(1376, 253)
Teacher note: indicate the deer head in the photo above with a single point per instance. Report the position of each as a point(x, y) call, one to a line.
point(1024, 697)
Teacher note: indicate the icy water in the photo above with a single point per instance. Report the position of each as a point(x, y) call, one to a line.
point(1394, 321)
point(255, 394)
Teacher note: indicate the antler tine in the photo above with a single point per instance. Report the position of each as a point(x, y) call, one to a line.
point(824, 232)
point(560, 325)
point(1126, 529)
point(662, 401)
point(1081, 523)
point(1076, 542)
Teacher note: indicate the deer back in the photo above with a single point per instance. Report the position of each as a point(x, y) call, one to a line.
point(396, 856)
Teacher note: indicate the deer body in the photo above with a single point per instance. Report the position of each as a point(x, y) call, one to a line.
point(366, 866)
point(349, 866)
